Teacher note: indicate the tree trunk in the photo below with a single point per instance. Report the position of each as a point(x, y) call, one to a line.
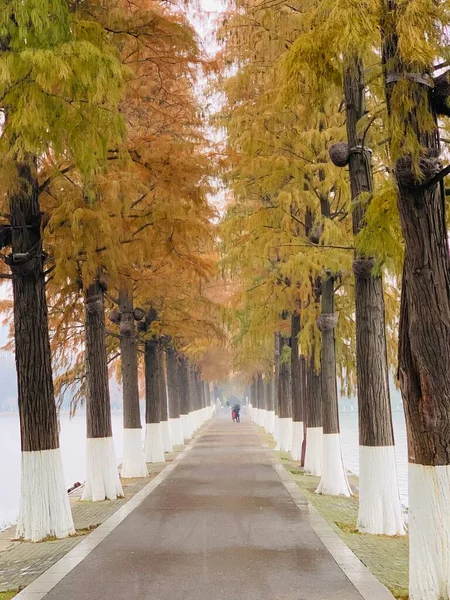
point(284, 399)
point(185, 402)
point(334, 479)
point(261, 401)
point(154, 399)
point(380, 510)
point(174, 397)
point(102, 476)
point(44, 503)
point(269, 396)
point(297, 393)
point(166, 434)
point(424, 326)
point(133, 464)
point(276, 398)
point(314, 428)
point(192, 399)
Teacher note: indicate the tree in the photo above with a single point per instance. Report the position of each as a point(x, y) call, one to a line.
point(281, 179)
point(298, 391)
point(314, 423)
point(102, 475)
point(380, 511)
point(379, 506)
point(133, 464)
point(155, 397)
point(48, 108)
point(410, 44)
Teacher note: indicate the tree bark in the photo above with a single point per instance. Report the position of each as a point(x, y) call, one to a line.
point(284, 383)
point(374, 404)
point(277, 373)
point(98, 405)
point(313, 395)
point(128, 353)
point(192, 389)
point(380, 510)
point(37, 409)
point(260, 391)
point(334, 479)
point(425, 307)
point(330, 410)
point(296, 371)
point(184, 386)
point(133, 461)
point(424, 330)
point(173, 384)
point(44, 503)
point(162, 376)
point(154, 381)
point(102, 476)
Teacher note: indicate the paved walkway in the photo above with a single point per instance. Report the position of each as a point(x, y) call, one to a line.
point(220, 526)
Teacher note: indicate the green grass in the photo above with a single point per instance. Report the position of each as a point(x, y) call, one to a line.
point(8, 595)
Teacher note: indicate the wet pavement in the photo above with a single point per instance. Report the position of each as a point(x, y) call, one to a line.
point(221, 526)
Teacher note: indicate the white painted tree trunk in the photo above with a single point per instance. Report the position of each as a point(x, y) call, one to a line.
point(194, 421)
point(276, 428)
point(44, 502)
point(429, 532)
point(192, 425)
point(297, 440)
point(263, 417)
point(270, 421)
point(314, 451)
point(133, 463)
point(165, 436)
point(102, 474)
point(334, 480)
point(185, 427)
point(154, 451)
point(380, 509)
point(176, 432)
point(284, 440)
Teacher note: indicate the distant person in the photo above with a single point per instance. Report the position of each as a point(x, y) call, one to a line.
point(236, 412)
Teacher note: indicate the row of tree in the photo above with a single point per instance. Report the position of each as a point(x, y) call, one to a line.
point(104, 177)
point(334, 115)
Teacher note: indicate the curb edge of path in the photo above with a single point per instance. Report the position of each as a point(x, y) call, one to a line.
point(43, 584)
point(359, 575)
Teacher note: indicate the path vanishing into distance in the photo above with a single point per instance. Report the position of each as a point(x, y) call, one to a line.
point(221, 524)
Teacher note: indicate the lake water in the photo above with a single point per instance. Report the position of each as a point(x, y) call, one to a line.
point(74, 453)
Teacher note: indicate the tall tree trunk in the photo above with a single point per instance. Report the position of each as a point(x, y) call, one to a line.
point(166, 434)
point(102, 475)
point(192, 399)
point(186, 420)
point(314, 428)
point(252, 398)
point(174, 397)
point(334, 479)
point(133, 464)
point(424, 322)
point(276, 396)
point(297, 393)
point(380, 510)
point(269, 403)
point(155, 393)
point(284, 399)
point(44, 503)
point(261, 400)
point(207, 401)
